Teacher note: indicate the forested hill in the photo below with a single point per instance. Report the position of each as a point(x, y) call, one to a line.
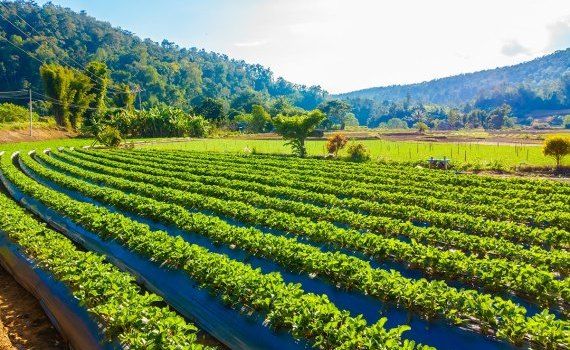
point(541, 75)
point(166, 72)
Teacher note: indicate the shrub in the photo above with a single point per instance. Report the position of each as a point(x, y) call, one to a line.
point(422, 127)
point(556, 147)
point(10, 112)
point(335, 143)
point(198, 126)
point(358, 153)
point(110, 137)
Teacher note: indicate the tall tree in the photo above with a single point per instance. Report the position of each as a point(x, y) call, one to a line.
point(335, 110)
point(57, 80)
point(297, 128)
point(124, 97)
point(99, 75)
point(212, 109)
point(260, 119)
point(80, 98)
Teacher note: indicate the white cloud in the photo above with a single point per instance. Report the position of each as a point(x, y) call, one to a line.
point(559, 34)
point(514, 48)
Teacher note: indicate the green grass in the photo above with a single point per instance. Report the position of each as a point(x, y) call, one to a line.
point(483, 155)
point(41, 145)
point(460, 153)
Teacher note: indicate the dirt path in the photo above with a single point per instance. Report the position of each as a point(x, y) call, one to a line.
point(23, 324)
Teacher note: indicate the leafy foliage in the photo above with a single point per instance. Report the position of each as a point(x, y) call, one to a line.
point(10, 112)
point(357, 152)
point(335, 143)
point(296, 129)
point(556, 147)
point(182, 77)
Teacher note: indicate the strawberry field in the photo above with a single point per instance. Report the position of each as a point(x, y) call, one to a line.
point(173, 249)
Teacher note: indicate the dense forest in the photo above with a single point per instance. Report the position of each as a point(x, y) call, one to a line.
point(112, 74)
point(182, 77)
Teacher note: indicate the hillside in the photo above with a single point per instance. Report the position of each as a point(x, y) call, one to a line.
point(540, 75)
point(178, 76)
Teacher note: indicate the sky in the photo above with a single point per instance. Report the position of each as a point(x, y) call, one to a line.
point(345, 45)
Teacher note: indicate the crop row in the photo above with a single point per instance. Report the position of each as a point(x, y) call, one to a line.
point(386, 194)
point(111, 296)
point(465, 194)
point(285, 306)
point(427, 298)
point(373, 173)
point(331, 209)
point(493, 274)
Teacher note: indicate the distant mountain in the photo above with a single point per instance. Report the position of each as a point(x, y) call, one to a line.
point(541, 75)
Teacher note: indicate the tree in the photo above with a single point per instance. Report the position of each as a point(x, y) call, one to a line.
point(99, 75)
point(260, 120)
point(80, 98)
point(556, 147)
point(124, 97)
point(396, 123)
point(335, 110)
point(57, 80)
point(349, 120)
point(297, 128)
point(422, 127)
point(499, 117)
point(335, 143)
point(213, 109)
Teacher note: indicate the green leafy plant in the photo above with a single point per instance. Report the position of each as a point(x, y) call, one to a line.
point(357, 152)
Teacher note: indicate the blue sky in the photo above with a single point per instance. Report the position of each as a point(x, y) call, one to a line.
point(344, 45)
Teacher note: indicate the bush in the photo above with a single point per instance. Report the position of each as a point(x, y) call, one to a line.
point(10, 113)
point(556, 147)
point(110, 137)
point(335, 143)
point(422, 127)
point(358, 153)
point(198, 127)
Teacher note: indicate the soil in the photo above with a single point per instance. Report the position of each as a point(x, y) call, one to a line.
point(37, 135)
point(23, 323)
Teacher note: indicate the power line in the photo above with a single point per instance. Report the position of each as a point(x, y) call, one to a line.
point(85, 71)
point(41, 34)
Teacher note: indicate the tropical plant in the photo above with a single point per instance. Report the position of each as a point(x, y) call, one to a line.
point(296, 129)
point(335, 143)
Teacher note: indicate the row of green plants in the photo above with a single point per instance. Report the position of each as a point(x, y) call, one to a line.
point(491, 314)
point(554, 260)
point(389, 176)
point(284, 306)
point(125, 313)
point(547, 237)
point(432, 199)
point(372, 172)
point(230, 178)
point(372, 168)
point(492, 274)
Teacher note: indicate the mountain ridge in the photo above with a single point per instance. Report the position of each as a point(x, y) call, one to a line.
point(538, 74)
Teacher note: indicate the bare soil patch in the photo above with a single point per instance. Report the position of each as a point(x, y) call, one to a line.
point(23, 323)
point(37, 135)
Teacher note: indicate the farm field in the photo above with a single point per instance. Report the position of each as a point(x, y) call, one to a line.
point(508, 155)
point(266, 251)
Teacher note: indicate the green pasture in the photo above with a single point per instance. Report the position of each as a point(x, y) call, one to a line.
point(474, 154)
point(508, 155)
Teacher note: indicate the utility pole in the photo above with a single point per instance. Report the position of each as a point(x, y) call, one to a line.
point(31, 112)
